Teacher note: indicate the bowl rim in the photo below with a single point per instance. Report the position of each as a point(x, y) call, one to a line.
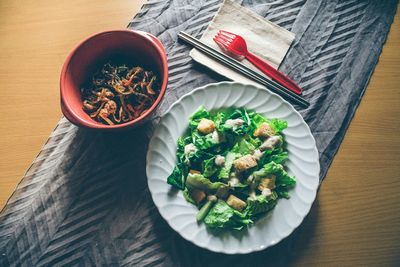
point(77, 120)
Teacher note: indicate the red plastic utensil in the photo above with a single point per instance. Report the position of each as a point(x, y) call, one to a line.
point(237, 47)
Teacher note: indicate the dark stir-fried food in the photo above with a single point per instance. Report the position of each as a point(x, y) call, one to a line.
point(118, 93)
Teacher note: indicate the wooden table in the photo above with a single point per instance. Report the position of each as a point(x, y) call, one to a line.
point(356, 217)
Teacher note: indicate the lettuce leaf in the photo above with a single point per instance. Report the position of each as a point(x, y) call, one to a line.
point(221, 216)
point(260, 204)
point(180, 153)
point(177, 177)
point(243, 147)
point(256, 119)
point(209, 167)
point(219, 121)
point(198, 181)
point(283, 180)
point(225, 171)
point(222, 117)
point(277, 155)
point(279, 158)
point(197, 116)
point(203, 142)
point(278, 125)
point(188, 197)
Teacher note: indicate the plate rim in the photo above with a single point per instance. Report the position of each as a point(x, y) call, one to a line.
point(253, 249)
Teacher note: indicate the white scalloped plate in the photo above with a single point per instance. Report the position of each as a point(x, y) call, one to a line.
point(303, 163)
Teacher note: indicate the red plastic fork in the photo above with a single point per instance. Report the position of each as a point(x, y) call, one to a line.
point(236, 46)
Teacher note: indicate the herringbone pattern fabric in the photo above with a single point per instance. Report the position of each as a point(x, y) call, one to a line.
point(85, 201)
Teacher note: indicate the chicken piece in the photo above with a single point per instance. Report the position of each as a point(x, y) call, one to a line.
point(194, 171)
point(264, 130)
point(235, 123)
point(271, 143)
point(266, 192)
point(244, 163)
point(206, 126)
point(235, 203)
point(257, 154)
point(197, 195)
point(219, 160)
point(267, 182)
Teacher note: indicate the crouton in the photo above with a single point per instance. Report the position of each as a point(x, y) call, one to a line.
point(197, 195)
point(267, 182)
point(235, 203)
point(244, 163)
point(223, 192)
point(264, 130)
point(194, 171)
point(206, 126)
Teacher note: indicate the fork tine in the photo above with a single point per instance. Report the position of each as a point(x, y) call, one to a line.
point(223, 39)
point(223, 46)
point(232, 35)
point(219, 41)
point(225, 35)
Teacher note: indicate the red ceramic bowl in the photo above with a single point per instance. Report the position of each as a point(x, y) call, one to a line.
point(131, 47)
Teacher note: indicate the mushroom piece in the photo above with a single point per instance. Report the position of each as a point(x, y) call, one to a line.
point(109, 109)
point(134, 90)
point(88, 105)
point(149, 88)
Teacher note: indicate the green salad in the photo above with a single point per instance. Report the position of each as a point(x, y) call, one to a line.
point(230, 164)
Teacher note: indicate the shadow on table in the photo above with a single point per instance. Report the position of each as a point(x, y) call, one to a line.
point(175, 250)
point(128, 227)
point(285, 253)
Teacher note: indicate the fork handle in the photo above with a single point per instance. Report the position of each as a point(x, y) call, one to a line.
point(273, 73)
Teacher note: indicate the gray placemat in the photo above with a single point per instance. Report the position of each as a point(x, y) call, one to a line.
point(84, 201)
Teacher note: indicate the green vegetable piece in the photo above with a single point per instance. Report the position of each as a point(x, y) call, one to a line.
point(177, 177)
point(225, 171)
point(203, 142)
point(256, 119)
point(198, 181)
point(219, 120)
point(278, 125)
point(197, 116)
point(280, 157)
point(243, 115)
point(187, 196)
point(243, 147)
point(260, 204)
point(221, 216)
point(204, 210)
point(283, 180)
point(209, 167)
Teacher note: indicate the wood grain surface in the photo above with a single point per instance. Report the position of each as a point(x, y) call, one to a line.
point(356, 217)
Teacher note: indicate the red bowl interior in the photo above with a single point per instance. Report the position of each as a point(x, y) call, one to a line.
point(128, 46)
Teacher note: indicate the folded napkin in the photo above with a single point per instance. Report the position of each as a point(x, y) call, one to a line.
point(264, 39)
